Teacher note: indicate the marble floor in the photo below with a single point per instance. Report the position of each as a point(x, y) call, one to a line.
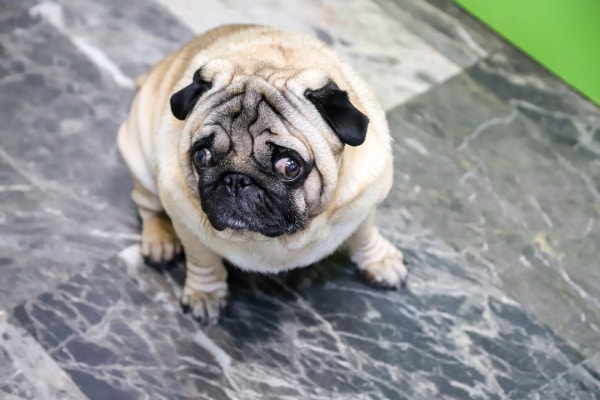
point(496, 205)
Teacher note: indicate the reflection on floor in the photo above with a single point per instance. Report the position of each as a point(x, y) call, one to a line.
point(495, 205)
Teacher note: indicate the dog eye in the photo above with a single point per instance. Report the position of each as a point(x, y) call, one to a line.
point(202, 158)
point(287, 168)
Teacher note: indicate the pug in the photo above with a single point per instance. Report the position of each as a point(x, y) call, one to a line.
point(261, 147)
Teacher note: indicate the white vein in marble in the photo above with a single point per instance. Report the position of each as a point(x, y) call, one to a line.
point(27, 370)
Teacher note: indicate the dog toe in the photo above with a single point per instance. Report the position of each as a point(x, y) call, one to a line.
point(206, 308)
point(388, 273)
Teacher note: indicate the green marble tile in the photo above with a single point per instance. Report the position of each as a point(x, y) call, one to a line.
point(445, 27)
point(508, 194)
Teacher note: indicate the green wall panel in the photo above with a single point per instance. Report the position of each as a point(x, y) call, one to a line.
point(562, 35)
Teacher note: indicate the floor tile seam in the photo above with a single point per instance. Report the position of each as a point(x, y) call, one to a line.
point(563, 374)
point(464, 70)
point(466, 38)
point(6, 317)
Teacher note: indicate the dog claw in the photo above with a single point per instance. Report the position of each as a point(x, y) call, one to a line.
point(387, 273)
point(206, 308)
point(185, 308)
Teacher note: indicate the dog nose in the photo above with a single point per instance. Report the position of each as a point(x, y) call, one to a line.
point(236, 182)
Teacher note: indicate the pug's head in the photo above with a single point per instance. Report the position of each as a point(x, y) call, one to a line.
point(262, 148)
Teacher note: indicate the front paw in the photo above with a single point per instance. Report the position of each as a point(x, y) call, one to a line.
point(160, 246)
point(205, 307)
point(388, 272)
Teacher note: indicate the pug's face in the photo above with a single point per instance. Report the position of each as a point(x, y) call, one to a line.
point(263, 153)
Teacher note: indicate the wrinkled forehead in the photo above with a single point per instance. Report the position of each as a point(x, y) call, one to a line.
point(225, 72)
point(247, 111)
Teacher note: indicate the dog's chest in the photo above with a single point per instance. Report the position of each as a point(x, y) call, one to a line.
point(278, 255)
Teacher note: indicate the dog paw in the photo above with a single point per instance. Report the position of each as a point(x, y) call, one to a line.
point(160, 245)
point(205, 307)
point(388, 272)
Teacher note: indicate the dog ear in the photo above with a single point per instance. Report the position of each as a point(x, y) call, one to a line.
point(349, 124)
point(183, 101)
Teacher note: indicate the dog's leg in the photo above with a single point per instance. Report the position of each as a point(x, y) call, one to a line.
point(160, 245)
point(379, 261)
point(159, 242)
point(205, 290)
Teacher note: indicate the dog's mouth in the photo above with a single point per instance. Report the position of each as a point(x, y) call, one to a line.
point(238, 223)
point(249, 207)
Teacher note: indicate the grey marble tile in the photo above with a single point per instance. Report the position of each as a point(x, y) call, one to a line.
point(7, 396)
point(51, 223)
point(314, 333)
point(11, 8)
point(65, 104)
point(24, 277)
point(396, 62)
point(44, 222)
point(57, 107)
point(582, 382)
point(27, 371)
point(64, 193)
point(508, 194)
point(122, 39)
point(448, 29)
